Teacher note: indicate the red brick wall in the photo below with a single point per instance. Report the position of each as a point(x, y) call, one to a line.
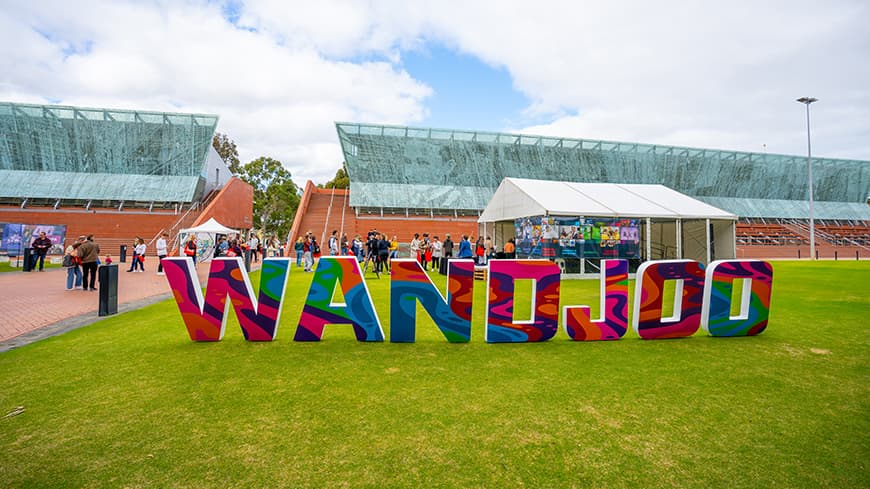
point(233, 206)
point(108, 225)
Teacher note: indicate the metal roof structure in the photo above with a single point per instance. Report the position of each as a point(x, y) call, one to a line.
point(443, 169)
point(76, 153)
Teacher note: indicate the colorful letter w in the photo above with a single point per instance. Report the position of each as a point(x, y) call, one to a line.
point(206, 319)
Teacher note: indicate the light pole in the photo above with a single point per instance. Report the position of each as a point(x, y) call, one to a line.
point(807, 101)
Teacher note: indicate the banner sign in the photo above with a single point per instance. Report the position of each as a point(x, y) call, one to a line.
point(15, 237)
point(702, 298)
point(577, 237)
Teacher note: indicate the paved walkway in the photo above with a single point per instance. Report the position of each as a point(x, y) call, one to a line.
point(36, 305)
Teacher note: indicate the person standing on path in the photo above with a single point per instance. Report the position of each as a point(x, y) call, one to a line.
point(89, 252)
point(40, 246)
point(161, 251)
point(71, 263)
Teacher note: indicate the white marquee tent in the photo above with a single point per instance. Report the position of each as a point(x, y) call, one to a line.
point(676, 225)
point(206, 238)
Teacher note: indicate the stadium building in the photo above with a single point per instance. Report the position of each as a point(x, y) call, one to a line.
point(116, 174)
point(405, 180)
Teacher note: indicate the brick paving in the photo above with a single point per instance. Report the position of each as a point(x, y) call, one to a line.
point(36, 304)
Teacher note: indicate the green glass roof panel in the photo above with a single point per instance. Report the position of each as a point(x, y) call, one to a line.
point(459, 159)
point(86, 140)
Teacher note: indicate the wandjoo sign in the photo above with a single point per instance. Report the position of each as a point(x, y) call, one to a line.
point(702, 299)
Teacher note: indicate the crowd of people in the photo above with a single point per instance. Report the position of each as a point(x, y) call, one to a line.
point(82, 256)
point(379, 250)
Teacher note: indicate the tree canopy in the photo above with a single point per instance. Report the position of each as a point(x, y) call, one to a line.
point(275, 195)
point(341, 180)
point(226, 149)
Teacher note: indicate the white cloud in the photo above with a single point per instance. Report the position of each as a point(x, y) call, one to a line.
point(713, 74)
point(273, 99)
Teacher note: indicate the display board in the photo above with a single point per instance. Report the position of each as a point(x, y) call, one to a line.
point(16, 236)
point(577, 237)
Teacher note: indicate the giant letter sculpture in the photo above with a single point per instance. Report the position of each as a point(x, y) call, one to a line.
point(716, 316)
point(613, 311)
point(647, 319)
point(409, 283)
point(206, 319)
point(358, 310)
point(500, 325)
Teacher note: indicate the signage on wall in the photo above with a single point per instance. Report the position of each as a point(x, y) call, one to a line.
point(702, 299)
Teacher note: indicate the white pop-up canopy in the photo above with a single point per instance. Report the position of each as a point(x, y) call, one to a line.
point(516, 198)
point(206, 238)
point(684, 227)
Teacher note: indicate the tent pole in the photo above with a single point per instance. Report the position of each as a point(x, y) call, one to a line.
point(648, 239)
point(679, 239)
point(707, 230)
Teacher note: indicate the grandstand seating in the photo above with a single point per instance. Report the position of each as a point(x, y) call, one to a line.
point(789, 238)
point(322, 210)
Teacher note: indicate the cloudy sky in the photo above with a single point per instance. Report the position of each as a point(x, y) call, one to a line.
point(280, 73)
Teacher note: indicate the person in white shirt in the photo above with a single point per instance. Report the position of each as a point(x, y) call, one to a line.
point(138, 256)
point(161, 252)
point(437, 246)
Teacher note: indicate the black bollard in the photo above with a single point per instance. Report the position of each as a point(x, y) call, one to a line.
point(28, 260)
point(835, 255)
point(123, 254)
point(108, 276)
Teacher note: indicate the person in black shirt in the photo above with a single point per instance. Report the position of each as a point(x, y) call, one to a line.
point(41, 245)
point(383, 252)
point(448, 247)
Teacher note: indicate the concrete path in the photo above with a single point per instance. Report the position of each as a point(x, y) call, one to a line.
point(36, 305)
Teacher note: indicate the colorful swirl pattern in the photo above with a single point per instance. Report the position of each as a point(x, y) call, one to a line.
point(358, 310)
point(755, 306)
point(206, 319)
point(647, 318)
point(409, 283)
point(500, 326)
point(614, 307)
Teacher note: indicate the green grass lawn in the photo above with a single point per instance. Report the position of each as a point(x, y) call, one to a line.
point(131, 402)
point(7, 267)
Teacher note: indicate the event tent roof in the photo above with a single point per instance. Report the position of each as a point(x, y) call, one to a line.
point(516, 198)
point(210, 226)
